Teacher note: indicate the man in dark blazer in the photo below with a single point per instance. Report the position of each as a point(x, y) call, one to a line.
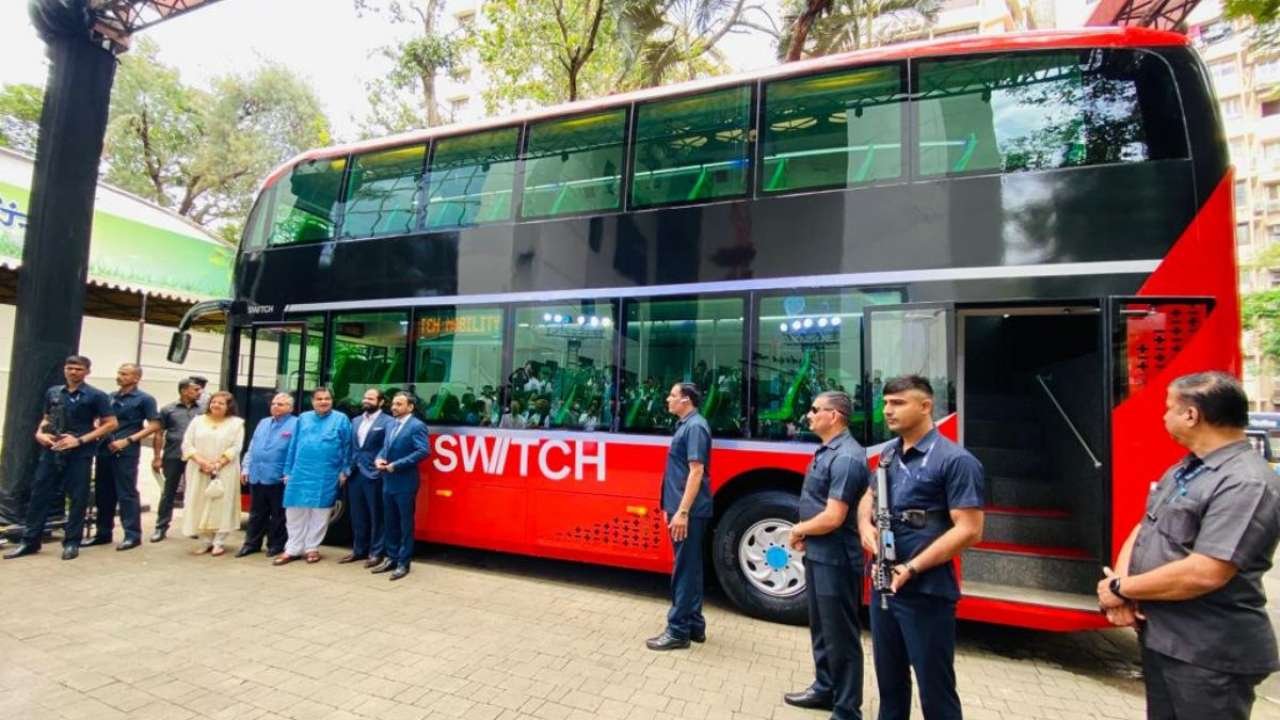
point(406, 446)
point(364, 488)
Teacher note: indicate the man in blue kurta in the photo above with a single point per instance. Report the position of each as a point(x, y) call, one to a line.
point(316, 467)
point(263, 470)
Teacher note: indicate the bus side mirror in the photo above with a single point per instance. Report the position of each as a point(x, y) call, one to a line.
point(179, 344)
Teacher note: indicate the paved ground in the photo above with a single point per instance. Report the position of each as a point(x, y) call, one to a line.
point(158, 633)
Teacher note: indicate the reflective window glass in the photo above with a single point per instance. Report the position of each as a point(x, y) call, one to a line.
point(574, 165)
point(696, 340)
point(369, 351)
point(833, 130)
point(806, 345)
point(458, 353)
point(382, 192)
point(306, 202)
point(692, 148)
point(563, 364)
point(1034, 111)
point(471, 178)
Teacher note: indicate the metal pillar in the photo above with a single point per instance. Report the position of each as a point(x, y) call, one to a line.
point(55, 252)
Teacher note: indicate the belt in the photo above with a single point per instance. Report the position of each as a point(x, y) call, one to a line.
point(923, 519)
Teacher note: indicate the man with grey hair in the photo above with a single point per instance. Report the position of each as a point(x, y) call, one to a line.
point(167, 452)
point(1189, 576)
point(263, 471)
point(828, 535)
point(116, 467)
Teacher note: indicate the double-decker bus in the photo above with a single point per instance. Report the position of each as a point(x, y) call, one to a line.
point(1040, 223)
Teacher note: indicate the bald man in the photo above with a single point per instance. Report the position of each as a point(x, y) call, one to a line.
point(263, 471)
point(116, 474)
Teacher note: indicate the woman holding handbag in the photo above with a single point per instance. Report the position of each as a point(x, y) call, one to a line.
point(211, 449)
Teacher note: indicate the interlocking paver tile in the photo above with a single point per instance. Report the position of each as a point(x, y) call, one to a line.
point(159, 634)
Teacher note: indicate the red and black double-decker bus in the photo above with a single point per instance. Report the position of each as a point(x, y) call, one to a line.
point(1041, 223)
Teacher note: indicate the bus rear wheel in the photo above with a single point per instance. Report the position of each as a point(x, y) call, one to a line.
point(759, 573)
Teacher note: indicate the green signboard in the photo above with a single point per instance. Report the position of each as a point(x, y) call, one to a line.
point(128, 252)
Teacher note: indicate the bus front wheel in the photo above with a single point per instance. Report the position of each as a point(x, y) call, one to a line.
point(759, 573)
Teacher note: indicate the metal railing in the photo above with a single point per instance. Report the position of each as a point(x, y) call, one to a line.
point(1097, 464)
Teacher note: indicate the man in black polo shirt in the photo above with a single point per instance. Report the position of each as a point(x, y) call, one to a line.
point(167, 451)
point(828, 535)
point(1190, 574)
point(69, 438)
point(116, 478)
point(935, 501)
point(686, 502)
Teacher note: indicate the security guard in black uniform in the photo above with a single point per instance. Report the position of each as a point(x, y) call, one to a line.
point(828, 534)
point(935, 501)
point(69, 437)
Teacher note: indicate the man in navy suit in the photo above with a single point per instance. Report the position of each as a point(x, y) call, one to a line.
point(364, 488)
point(405, 448)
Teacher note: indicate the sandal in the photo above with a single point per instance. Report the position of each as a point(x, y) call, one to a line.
point(313, 556)
point(283, 559)
point(202, 550)
point(218, 551)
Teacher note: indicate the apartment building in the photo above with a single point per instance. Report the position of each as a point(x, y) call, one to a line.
point(1247, 83)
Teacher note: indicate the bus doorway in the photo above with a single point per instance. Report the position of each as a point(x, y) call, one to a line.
point(1032, 404)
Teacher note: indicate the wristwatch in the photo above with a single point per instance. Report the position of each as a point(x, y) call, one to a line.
point(911, 569)
point(1114, 587)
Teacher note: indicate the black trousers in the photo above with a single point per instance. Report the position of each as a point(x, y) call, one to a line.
point(49, 486)
point(835, 592)
point(684, 619)
point(917, 632)
point(1178, 690)
point(116, 483)
point(266, 518)
point(172, 469)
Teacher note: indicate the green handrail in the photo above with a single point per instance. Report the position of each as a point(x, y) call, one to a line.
point(970, 145)
point(557, 420)
point(776, 178)
point(787, 410)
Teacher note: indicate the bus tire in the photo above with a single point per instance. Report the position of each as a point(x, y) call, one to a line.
point(753, 529)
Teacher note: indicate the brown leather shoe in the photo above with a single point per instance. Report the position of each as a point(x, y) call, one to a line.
point(350, 558)
point(372, 562)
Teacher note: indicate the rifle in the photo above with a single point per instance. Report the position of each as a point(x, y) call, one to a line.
point(886, 548)
point(57, 427)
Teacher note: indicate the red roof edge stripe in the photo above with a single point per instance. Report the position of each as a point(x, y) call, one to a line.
point(1113, 37)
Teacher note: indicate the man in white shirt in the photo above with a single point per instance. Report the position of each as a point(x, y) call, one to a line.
point(364, 490)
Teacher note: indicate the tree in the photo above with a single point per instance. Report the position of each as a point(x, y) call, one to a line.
point(667, 40)
point(406, 98)
point(20, 106)
point(820, 27)
point(202, 153)
point(543, 52)
point(1260, 311)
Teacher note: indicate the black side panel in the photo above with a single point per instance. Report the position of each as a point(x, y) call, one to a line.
point(1204, 127)
point(1115, 212)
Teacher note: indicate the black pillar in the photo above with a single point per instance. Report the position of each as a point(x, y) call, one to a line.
point(55, 252)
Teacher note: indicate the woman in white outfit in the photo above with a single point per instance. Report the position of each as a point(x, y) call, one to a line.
point(211, 448)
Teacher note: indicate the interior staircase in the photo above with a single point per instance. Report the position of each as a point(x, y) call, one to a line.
point(1034, 544)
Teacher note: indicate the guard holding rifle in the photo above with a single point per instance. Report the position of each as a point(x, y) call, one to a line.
point(69, 438)
point(828, 534)
point(934, 507)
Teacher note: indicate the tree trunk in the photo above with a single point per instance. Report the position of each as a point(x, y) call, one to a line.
point(803, 24)
point(429, 101)
point(429, 80)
